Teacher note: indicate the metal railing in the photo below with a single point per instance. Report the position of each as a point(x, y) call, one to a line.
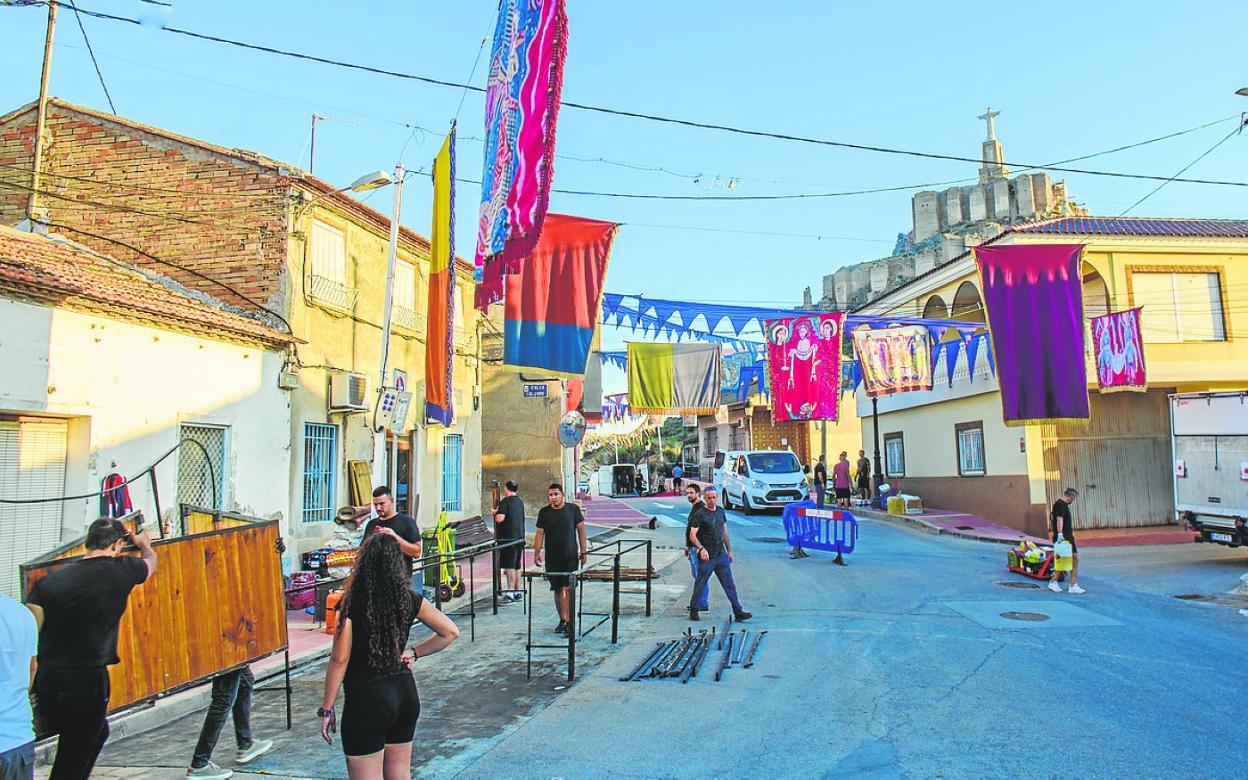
point(575, 606)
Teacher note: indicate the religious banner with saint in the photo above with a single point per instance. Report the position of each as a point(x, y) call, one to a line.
point(1119, 352)
point(804, 358)
point(894, 360)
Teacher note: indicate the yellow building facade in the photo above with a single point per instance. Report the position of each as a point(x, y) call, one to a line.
point(950, 445)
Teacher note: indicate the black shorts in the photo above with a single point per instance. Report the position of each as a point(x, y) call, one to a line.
point(558, 581)
point(509, 557)
point(378, 713)
point(842, 492)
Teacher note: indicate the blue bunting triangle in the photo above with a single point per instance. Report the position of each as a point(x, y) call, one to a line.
point(951, 357)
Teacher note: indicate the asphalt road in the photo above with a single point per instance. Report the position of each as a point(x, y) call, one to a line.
point(897, 665)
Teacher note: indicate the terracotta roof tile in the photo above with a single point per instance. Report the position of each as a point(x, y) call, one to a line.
point(54, 272)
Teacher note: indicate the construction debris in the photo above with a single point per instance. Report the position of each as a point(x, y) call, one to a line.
point(682, 658)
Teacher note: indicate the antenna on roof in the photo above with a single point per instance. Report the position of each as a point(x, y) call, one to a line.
point(321, 118)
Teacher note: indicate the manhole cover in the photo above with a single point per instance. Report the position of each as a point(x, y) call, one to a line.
point(1028, 617)
point(769, 540)
point(1017, 584)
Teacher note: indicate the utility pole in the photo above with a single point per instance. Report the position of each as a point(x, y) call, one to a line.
point(875, 418)
point(41, 114)
point(380, 444)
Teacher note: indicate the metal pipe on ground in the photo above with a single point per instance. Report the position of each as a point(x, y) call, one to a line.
point(739, 650)
point(658, 648)
point(692, 668)
point(662, 669)
point(668, 648)
point(706, 649)
point(723, 659)
point(723, 632)
point(749, 658)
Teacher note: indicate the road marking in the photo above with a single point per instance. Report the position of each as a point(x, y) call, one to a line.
point(670, 522)
point(665, 506)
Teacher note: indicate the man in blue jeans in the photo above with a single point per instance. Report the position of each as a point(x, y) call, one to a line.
point(710, 538)
point(231, 694)
point(695, 499)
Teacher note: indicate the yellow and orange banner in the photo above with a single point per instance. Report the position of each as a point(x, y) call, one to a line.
point(441, 312)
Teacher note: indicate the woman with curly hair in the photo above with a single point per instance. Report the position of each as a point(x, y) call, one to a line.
point(370, 662)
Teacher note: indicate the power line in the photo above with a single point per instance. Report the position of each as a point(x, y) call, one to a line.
point(1184, 169)
point(465, 137)
point(94, 62)
point(778, 136)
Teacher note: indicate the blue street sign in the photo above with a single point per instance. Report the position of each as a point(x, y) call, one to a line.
point(535, 391)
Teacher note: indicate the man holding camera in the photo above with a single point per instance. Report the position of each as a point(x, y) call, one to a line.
point(81, 605)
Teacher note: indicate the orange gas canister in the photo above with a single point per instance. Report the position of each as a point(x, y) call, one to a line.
point(331, 611)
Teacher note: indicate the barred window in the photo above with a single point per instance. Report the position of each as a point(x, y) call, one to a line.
point(971, 460)
point(320, 456)
point(452, 471)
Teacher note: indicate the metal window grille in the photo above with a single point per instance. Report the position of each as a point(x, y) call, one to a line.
point(194, 475)
point(32, 465)
point(452, 476)
point(320, 453)
point(971, 450)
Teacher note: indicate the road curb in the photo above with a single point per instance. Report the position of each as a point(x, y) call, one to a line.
point(927, 527)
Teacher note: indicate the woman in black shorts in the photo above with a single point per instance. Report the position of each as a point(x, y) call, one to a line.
point(371, 663)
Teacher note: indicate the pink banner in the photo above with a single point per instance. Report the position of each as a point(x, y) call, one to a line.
point(804, 355)
point(1119, 352)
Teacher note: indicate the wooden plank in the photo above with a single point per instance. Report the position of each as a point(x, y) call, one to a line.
point(214, 603)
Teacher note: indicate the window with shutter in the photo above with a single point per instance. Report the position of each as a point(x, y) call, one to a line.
point(32, 466)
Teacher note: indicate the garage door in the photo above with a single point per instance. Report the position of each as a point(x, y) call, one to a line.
point(32, 465)
point(1118, 460)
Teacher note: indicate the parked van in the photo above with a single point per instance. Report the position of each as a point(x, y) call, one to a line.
point(724, 460)
point(759, 479)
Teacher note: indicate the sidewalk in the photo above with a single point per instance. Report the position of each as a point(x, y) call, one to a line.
point(939, 521)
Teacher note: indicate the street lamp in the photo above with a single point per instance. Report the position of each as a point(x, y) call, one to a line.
point(367, 182)
point(1242, 92)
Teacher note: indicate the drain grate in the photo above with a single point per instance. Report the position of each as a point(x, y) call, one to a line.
point(1028, 617)
point(1017, 584)
point(769, 540)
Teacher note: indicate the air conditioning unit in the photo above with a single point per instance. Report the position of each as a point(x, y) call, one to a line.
point(348, 393)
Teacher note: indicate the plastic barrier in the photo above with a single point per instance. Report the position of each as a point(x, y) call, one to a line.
point(811, 528)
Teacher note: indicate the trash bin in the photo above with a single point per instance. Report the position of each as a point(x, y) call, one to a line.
point(429, 549)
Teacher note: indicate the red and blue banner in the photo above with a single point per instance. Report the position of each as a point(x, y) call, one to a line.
point(552, 303)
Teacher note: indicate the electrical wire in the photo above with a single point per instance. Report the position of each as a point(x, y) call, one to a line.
point(94, 61)
point(1185, 168)
point(644, 167)
point(766, 134)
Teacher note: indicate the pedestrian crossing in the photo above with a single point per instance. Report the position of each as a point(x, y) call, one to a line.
point(735, 519)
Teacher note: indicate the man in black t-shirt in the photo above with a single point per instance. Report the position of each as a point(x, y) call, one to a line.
point(509, 527)
point(710, 537)
point(1064, 528)
point(864, 475)
point(821, 481)
point(561, 530)
point(402, 527)
point(81, 605)
point(694, 496)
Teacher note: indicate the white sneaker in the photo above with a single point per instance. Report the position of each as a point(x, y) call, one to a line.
point(1053, 586)
point(1076, 589)
point(258, 748)
point(210, 771)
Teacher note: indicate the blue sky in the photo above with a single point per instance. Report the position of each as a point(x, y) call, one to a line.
point(1069, 79)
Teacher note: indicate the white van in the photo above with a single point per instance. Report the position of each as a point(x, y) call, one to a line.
point(760, 479)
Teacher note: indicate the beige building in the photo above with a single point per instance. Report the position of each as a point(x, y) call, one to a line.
point(950, 446)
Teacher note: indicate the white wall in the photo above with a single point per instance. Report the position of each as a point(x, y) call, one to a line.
point(127, 387)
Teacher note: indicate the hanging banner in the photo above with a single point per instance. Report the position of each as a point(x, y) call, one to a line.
point(804, 355)
point(552, 303)
point(673, 378)
point(894, 360)
point(1119, 352)
point(439, 407)
point(521, 107)
point(1033, 296)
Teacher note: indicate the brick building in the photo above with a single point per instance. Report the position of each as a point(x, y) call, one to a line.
point(272, 240)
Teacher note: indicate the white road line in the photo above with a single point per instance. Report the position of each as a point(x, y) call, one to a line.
point(670, 521)
point(664, 506)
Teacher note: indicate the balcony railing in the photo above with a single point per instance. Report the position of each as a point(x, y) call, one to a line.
point(332, 292)
point(407, 318)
